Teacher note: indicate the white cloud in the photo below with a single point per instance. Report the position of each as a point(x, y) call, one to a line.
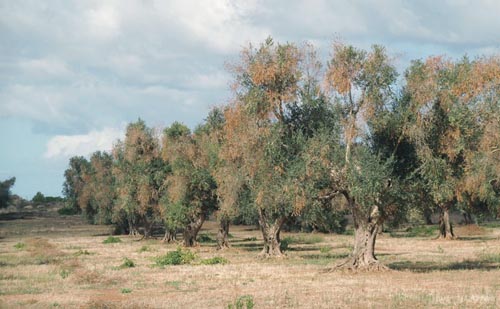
point(65, 146)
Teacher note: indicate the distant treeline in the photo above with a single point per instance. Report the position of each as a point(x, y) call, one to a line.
point(302, 143)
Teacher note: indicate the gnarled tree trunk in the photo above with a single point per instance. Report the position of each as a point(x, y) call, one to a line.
point(271, 233)
point(132, 228)
point(169, 235)
point(445, 227)
point(191, 231)
point(223, 233)
point(365, 235)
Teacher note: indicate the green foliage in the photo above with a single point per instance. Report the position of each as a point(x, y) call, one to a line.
point(177, 257)
point(20, 246)
point(242, 302)
point(126, 290)
point(112, 240)
point(39, 198)
point(325, 249)
point(64, 273)
point(67, 211)
point(144, 249)
point(205, 238)
point(127, 263)
point(213, 261)
point(5, 193)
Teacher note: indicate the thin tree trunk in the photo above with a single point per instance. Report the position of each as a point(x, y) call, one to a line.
point(223, 233)
point(191, 231)
point(271, 234)
point(445, 227)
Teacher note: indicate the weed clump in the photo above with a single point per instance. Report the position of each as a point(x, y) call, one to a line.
point(242, 302)
point(177, 257)
point(20, 245)
point(126, 291)
point(127, 263)
point(112, 240)
point(215, 260)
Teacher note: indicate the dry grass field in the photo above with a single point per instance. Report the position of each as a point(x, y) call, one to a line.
point(52, 261)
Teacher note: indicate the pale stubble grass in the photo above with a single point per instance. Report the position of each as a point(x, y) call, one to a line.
point(426, 272)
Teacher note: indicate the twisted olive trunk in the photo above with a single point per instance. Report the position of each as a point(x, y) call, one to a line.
point(192, 229)
point(445, 226)
point(169, 235)
point(365, 235)
point(271, 233)
point(223, 234)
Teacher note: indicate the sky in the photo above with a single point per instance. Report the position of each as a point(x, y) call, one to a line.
point(74, 73)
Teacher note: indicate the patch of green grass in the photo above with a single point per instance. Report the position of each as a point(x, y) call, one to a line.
point(215, 260)
point(112, 240)
point(416, 231)
point(490, 257)
point(127, 263)
point(126, 291)
point(322, 259)
point(325, 249)
point(144, 249)
point(64, 273)
point(20, 245)
point(242, 302)
point(300, 239)
point(175, 284)
point(177, 257)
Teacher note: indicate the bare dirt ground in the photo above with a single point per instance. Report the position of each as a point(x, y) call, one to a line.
point(54, 261)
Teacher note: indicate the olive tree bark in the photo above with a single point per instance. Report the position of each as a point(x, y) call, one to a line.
point(271, 233)
point(366, 228)
point(132, 228)
point(223, 233)
point(169, 235)
point(445, 226)
point(192, 229)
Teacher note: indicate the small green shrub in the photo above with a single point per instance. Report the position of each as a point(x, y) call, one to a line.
point(20, 245)
point(242, 302)
point(176, 257)
point(325, 249)
point(112, 240)
point(126, 291)
point(67, 211)
point(285, 243)
point(205, 238)
point(214, 260)
point(127, 263)
point(64, 273)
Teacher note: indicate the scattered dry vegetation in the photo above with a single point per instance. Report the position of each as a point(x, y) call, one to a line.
point(40, 268)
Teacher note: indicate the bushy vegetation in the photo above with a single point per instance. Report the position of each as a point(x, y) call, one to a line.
point(215, 260)
point(177, 257)
point(112, 240)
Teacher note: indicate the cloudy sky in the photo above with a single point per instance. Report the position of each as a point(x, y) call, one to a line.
point(74, 73)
